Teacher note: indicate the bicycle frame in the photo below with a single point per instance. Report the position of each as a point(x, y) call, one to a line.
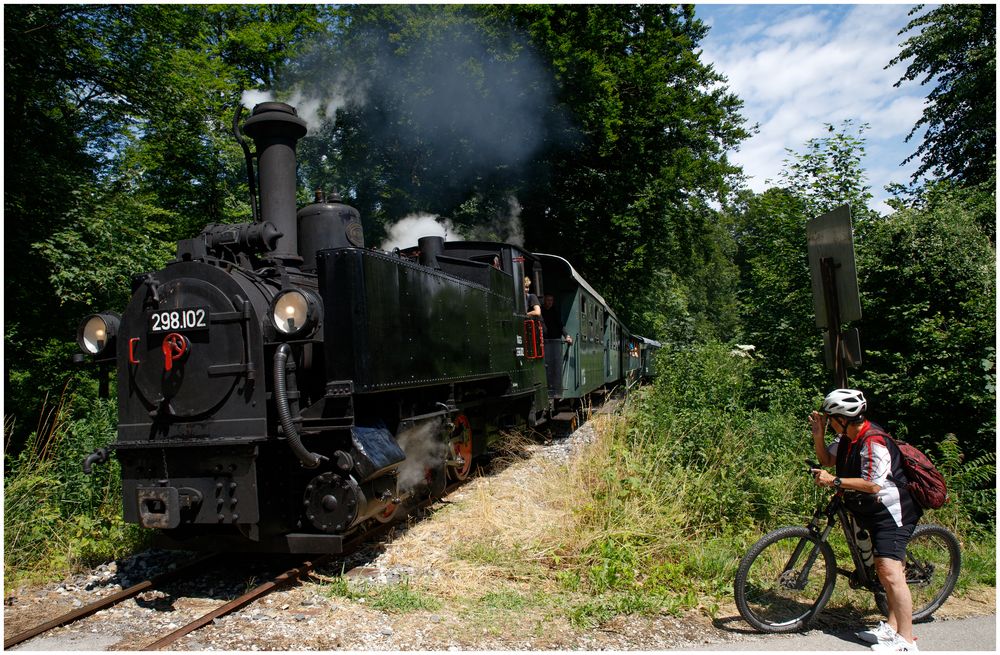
point(788, 576)
point(863, 575)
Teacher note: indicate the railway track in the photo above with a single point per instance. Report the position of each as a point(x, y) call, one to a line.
point(104, 603)
point(274, 583)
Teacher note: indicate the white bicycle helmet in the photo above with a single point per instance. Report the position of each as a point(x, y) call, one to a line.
point(845, 402)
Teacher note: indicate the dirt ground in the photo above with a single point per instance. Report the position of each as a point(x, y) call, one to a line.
point(410, 593)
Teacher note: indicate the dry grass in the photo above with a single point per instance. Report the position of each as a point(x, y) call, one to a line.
point(500, 529)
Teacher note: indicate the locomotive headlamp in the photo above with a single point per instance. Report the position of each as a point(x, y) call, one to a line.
point(97, 333)
point(295, 312)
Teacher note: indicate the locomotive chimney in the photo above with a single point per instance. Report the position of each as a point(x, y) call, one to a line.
point(430, 248)
point(275, 127)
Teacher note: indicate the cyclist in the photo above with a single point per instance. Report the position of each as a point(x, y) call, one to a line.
point(869, 472)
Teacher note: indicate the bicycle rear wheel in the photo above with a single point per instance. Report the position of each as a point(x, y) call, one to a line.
point(933, 562)
point(785, 580)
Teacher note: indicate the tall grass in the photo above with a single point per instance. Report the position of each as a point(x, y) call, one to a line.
point(694, 470)
point(57, 518)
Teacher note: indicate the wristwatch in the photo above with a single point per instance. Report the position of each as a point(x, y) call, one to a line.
point(837, 482)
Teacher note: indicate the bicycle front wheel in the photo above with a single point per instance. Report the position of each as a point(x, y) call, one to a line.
point(785, 580)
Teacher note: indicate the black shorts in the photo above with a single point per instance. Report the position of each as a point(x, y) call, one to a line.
point(891, 542)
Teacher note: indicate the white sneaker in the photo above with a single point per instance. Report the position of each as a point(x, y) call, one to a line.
point(895, 645)
point(882, 632)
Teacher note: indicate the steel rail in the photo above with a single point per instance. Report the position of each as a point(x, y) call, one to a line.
point(233, 605)
point(104, 603)
point(289, 576)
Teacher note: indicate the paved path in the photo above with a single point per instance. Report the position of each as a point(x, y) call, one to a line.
point(974, 634)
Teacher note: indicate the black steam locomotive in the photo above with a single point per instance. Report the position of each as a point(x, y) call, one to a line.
point(281, 386)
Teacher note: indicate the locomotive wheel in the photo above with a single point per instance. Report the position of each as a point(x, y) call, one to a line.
point(461, 448)
point(387, 514)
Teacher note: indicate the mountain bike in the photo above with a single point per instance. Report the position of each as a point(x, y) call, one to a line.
point(788, 576)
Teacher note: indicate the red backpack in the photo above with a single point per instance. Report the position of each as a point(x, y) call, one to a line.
point(926, 484)
point(924, 481)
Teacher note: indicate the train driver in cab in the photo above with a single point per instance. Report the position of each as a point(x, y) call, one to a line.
point(531, 301)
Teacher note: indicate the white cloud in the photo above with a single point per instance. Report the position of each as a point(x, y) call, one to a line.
point(898, 117)
point(796, 28)
point(800, 67)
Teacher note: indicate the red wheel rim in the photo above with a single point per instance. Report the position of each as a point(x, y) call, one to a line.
point(388, 513)
point(461, 447)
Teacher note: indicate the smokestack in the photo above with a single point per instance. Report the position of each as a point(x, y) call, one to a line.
point(275, 128)
point(430, 248)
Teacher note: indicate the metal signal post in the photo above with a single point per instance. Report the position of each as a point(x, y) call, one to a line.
point(828, 271)
point(835, 289)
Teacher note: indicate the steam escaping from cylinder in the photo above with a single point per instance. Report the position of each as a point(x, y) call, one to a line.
point(424, 451)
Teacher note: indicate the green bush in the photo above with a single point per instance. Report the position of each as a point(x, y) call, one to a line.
point(698, 472)
point(55, 516)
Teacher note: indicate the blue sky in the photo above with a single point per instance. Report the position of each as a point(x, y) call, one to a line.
point(797, 67)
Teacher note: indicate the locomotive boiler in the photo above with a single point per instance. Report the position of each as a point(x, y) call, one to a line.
point(280, 385)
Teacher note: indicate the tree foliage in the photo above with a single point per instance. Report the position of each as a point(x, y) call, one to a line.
point(955, 50)
point(770, 229)
point(576, 124)
point(641, 156)
point(927, 275)
point(829, 172)
point(117, 146)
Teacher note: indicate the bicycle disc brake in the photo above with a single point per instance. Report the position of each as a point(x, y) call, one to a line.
point(790, 580)
point(918, 573)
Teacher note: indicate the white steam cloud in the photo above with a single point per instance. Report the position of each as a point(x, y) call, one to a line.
point(407, 230)
point(515, 231)
point(252, 98)
point(424, 450)
point(316, 110)
point(503, 226)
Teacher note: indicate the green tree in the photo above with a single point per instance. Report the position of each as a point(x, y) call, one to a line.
point(117, 145)
point(640, 155)
point(770, 230)
point(828, 172)
point(61, 89)
point(927, 276)
point(600, 121)
point(775, 289)
point(955, 50)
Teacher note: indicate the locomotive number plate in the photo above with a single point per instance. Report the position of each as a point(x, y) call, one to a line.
point(171, 320)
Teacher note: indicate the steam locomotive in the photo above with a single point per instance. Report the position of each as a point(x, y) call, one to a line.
point(281, 386)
